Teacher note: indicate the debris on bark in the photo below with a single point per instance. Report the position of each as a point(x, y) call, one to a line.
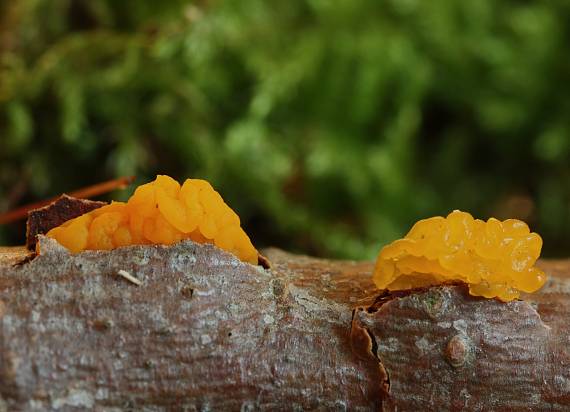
point(40, 221)
point(205, 331)
point(98, 189)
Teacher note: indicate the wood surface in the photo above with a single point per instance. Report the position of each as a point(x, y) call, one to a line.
point(204, 331)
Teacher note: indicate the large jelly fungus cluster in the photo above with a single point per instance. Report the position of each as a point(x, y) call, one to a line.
point(160, 212)
point(495, 259)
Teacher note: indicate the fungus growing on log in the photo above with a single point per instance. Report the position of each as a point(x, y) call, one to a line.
point(160, 212)
point(496, 259)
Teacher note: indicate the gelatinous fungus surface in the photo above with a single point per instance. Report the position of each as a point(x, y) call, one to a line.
point(160, 212)
point(495, 259)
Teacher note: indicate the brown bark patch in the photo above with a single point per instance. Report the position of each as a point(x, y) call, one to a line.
point(40, 221)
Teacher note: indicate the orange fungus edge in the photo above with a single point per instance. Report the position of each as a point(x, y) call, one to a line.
point(495, 259)
point(160, 212)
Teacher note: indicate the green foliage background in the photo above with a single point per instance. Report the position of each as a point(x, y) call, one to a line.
point(329, 125)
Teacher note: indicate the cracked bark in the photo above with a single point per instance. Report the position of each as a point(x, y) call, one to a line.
point(207, 332)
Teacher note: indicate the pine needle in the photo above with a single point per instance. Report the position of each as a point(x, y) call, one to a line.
point(129, 277)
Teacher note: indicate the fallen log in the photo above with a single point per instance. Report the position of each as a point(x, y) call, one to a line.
point(190, 327)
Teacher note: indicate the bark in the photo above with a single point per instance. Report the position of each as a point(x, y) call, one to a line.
point(41, 220)
point(205, 331)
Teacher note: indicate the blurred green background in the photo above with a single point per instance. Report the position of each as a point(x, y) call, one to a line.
point(330, 126)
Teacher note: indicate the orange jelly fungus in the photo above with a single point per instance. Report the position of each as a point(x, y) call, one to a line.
point(495, 259)
point(160, 212)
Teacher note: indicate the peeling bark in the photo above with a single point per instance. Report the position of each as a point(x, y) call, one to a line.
point(205, 331)
point(41, 220)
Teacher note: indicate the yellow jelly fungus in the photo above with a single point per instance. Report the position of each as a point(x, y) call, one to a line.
point(161, 212)
point(495, 259)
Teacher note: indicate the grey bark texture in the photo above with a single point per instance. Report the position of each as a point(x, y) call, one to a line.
point(204, 331)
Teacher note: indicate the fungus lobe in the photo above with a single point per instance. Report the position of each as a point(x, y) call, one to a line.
point(160, 212)
point(494, 258)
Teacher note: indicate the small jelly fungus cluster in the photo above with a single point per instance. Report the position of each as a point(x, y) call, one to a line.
point(495, 259)
point(160, 212)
